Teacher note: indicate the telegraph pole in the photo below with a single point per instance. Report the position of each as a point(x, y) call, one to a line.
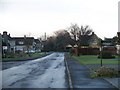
point(45, 42)
point(101, 53)
point(118, 42)
point(45, 36)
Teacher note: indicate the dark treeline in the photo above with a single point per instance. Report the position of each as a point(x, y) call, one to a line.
point(74, 35)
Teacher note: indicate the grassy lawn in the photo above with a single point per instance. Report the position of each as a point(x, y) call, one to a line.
point(92, 59)
point(24, 56)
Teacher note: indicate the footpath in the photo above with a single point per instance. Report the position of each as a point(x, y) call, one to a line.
point(80, 77)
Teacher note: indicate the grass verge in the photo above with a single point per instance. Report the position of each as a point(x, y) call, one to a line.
point(92, 59)
point(24, 56)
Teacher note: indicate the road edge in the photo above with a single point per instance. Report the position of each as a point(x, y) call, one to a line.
point(111, 83)
point(68, 74)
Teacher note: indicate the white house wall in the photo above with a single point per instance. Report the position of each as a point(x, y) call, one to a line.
point(12, 43)
point(21, 48)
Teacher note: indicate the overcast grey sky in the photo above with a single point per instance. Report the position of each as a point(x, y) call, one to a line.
point(35, 17)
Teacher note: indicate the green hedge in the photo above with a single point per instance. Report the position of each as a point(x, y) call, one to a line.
point(106, 55)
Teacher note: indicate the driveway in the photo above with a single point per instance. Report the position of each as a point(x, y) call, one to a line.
point(46, 72)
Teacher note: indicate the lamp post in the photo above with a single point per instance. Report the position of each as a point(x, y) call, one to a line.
point(101, 49)
point(45, 43)
point(101, 55)
point(118, 49)
point(118, 45)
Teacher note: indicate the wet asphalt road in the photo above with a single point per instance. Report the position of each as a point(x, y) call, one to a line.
point(46, 72)
point(49, 72)
point(7, 65)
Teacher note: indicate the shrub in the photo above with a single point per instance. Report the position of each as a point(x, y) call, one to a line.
point(21, 54)
point(10, 55)
point(106, 72)
point(106, 55)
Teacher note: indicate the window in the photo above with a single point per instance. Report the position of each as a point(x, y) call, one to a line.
point(21, 42)
point(12, 49)
point(3, 39)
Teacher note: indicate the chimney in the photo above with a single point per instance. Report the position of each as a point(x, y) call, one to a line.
point(118, 33)
point(5, 33)
point(25, 36)
point(9, 35)
point(5, 36)
point(93, 33)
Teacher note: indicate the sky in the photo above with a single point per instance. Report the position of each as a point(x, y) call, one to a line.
point(35, 17)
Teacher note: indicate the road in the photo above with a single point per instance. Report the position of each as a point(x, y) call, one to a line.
point(46, 72)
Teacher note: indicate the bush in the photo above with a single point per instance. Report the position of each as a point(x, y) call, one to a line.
point(106, 72)
point(106, 55)
point(9, 55)
point(21, 54)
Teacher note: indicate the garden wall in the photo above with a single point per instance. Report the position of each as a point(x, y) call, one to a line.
point(96, 51)
point(89, 51)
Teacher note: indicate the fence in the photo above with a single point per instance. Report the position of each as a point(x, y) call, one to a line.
point(96, 51)
point(89, 51)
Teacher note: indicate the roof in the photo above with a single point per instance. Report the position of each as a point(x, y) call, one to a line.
point(8, 37)
point(75, 45)
point(5, 44)
point(86, 39)
point(37, 41)
point(107, 42)
point(23, 40)
point(69, 45)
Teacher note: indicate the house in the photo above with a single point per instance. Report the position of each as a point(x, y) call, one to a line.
point(23, 43)
point(13, 44)
point(38, 45)
point(5, 42)
point(94, 41)
point(108, 45)
point(89, 45)
point(107, 42)
point(90, 41)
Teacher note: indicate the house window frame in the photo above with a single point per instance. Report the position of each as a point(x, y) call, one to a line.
point(21, 42)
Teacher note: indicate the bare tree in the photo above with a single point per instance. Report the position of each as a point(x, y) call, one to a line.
point(62, 39)
point(77, 32)
point(85, 30)
point(74, 30)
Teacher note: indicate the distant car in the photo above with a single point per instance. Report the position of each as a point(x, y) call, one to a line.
point(37, 50)
point(30, 51)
